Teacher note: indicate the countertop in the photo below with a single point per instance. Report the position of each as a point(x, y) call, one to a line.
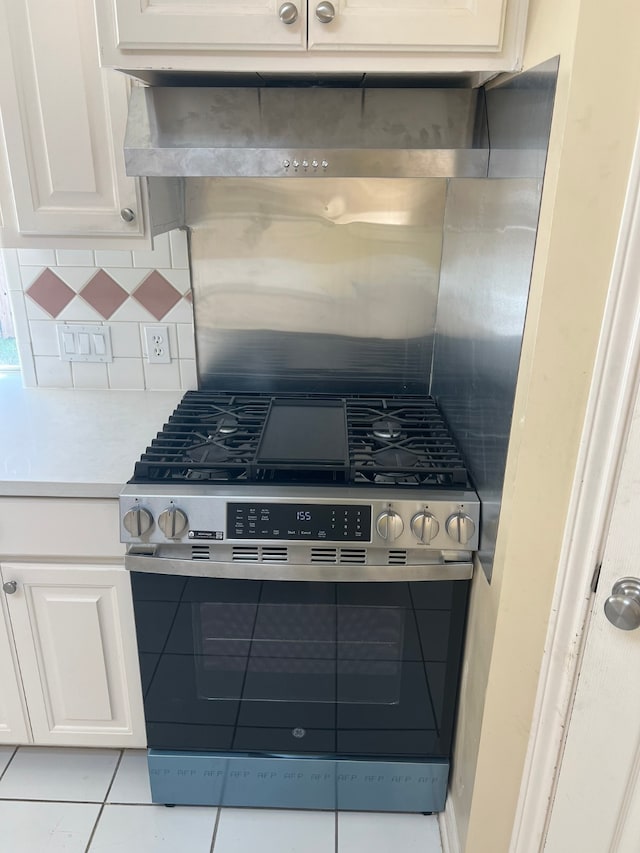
point(74, 443)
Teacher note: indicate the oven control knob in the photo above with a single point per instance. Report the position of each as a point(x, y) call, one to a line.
point(137, 521)
point(460, 527)
point(425, 526)
point(389, 525)
point(173, 522)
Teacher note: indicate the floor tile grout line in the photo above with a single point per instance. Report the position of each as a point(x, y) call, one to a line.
point(336, 835)
point(95, 826)
point(215, 830)
point(115, 773)
point(11, 757)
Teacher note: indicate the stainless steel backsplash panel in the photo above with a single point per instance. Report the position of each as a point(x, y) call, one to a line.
point(317, 286)
point(489, 241)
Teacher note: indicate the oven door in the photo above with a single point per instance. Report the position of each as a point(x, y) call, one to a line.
point(354, 671)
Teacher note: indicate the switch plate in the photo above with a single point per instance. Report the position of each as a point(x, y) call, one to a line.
point(157, 342)
point(77, 342)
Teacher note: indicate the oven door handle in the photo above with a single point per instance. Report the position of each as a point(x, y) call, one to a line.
point(330, 572)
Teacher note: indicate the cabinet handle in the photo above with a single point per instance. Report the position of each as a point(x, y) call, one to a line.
point(288, 13)
point(10, 587)
point(127, 214)
point(325, 12)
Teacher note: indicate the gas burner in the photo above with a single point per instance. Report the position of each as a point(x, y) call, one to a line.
point(207, 453)
point(397, 458)
point(387, 428)
point(224, 425)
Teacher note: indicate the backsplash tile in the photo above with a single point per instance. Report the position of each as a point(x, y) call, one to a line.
point(156, 295)
point(104, 294)
point(121, 289)
point(50, 293)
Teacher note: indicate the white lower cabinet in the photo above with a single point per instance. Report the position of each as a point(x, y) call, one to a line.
point(70, 640)
point(14, 723)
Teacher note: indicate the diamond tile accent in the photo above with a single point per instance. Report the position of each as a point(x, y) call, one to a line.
point(50, 292)
point(156, 295)
point(189, 296)
point(104, 294)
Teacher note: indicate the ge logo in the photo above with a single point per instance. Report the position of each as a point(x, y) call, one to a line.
point(299, 732)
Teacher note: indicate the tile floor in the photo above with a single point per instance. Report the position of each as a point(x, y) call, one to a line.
point(97, 801)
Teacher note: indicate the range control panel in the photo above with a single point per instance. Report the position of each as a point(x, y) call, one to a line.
point(308, 522)
point(415, 518)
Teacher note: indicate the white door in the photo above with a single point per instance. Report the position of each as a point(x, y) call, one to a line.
point(75, 640)
point(172, 25)
point(597, 801)
point(392, 25)
point(14, 727)
point(62, 120)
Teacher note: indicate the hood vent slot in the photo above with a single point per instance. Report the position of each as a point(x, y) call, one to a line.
point(313, 132)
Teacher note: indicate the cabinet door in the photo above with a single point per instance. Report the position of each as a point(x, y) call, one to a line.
point(14, 727)
point(214, 25)
point(75, 639)
point(63, 119)
point(412, 25)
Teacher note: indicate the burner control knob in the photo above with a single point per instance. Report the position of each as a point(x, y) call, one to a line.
point(173, 522)
point(425, 526)
point(389, 525)
point(460, 527)
point(137, 521)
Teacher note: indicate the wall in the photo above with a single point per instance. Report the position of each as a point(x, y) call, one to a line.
point(593, 132)
point(125, 290)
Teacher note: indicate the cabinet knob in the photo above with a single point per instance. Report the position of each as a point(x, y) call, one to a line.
point(288, 13)
point(10, 587)
point(325, 12)
point(127, 215)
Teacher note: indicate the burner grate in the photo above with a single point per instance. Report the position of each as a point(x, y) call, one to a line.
point(220, 437)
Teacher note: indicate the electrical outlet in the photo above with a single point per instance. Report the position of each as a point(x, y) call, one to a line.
point(157, 340)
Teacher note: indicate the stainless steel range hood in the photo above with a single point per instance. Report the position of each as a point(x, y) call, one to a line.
point(306, 132)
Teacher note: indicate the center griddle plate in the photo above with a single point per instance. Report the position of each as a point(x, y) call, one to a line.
point(312, 433)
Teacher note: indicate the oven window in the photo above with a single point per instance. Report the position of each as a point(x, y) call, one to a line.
point(341, 669)
point(298, 652)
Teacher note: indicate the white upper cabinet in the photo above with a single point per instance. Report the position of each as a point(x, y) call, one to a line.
point(315, 36)
point(180, 24)
point(61, 132)
point(422, 25)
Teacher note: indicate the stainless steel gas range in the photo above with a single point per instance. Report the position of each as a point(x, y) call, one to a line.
point(300, 568)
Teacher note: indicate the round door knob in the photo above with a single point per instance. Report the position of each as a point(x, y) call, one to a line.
point(137, 521)
point(127, 215)
point(10, 587)
point(425, 526)
point(173, 522)
point(288, 13)
point(389, 525)
point(460, 527)
point(622, 608)
point(325, 12)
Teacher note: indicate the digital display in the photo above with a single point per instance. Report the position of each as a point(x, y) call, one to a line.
point(312, 522)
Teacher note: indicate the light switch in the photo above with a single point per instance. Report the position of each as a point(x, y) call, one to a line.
point(77, 342)
point(68, 342)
